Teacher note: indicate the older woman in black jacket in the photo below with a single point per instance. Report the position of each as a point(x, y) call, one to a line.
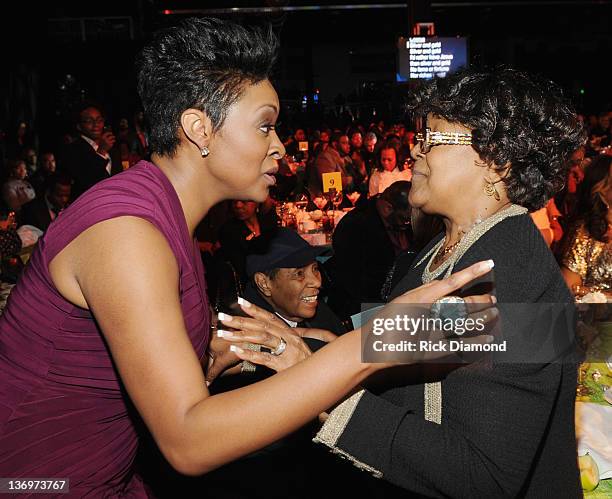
point(493, 147)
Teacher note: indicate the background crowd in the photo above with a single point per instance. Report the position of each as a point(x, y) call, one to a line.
point(37, 184)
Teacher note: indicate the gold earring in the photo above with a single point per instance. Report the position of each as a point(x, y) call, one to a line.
point(204, 151)
point(490, 190)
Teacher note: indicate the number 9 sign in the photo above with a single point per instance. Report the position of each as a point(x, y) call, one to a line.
point(332, 181)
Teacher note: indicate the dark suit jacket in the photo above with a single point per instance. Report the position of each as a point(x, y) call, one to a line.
point(363, 254)
point(36, 213)
point(85, 166)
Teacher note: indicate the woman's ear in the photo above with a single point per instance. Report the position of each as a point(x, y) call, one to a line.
point(197, 127)
point(263, 283)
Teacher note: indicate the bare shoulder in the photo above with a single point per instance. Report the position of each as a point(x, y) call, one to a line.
point(127, 248)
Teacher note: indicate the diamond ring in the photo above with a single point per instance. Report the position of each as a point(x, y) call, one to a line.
point(280, 348)
point(449, 307)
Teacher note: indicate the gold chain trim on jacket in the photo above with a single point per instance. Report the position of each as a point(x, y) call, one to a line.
point(333, 428)
point(432, 392)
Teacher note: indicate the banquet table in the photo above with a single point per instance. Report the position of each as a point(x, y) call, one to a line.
point(313, 232)
point(594, 406)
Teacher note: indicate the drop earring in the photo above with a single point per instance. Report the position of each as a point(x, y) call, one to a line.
point(490, 190)
point(204, 151)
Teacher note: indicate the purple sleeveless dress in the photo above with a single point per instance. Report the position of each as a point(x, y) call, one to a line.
point(63, 410)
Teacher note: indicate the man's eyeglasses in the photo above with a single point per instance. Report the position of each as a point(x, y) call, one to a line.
point(429, 139)
point(92, 121)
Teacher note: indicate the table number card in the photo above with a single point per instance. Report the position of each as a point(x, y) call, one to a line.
point(332, 181)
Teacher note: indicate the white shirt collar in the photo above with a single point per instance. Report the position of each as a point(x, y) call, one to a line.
point(95, 146)
point(92, 143)
point(290, 323)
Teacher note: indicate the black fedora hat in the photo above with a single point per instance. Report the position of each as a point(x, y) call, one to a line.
point(278, 249)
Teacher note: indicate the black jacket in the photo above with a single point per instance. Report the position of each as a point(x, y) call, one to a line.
point(294, 461)
point(363, 255)
point(85, 166)
point(36, 213)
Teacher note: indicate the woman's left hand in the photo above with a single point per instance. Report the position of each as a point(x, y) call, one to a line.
point(265, 329)
point(220, 359)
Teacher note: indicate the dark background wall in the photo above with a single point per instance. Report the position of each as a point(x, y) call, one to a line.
point(59, 53)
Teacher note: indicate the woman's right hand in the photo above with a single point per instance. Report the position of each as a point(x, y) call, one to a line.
point(417, 303)
point(266, 330)
point(430, 292)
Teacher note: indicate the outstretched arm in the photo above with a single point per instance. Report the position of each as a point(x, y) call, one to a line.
point(124, 271)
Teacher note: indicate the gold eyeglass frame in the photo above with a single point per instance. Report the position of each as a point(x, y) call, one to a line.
point(442, 138)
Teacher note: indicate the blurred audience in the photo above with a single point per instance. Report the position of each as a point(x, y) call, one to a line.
point(246, 224)
point(366, 242)
point(16, 190)
point(46, 168)
point(587, 256)
point(335, 158)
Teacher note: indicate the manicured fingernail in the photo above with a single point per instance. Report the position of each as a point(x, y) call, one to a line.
point(221, 333)
point(236, 348)
point(488, 338)
point(490, 264)
point(494, 298)
point(243, 302)
point(224, 317)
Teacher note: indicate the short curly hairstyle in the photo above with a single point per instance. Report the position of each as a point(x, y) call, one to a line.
point(201, 63)
point(516, 119)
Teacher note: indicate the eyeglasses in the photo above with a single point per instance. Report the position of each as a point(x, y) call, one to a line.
point(430, 139)
point(92, 121)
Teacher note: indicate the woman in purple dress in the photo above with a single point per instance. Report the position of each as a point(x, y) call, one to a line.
point(109, 324)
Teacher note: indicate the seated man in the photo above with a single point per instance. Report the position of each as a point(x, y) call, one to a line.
point(284, 278)
point(42, 211)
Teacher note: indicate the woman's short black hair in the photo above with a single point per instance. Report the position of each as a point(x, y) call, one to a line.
point(201, 63)
point(516, 119)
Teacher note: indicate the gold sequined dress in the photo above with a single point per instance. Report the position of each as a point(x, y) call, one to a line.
point(589, 258)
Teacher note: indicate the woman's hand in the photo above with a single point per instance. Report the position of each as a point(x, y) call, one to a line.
point(267, 330)
point(414, 305)
point(219, 357)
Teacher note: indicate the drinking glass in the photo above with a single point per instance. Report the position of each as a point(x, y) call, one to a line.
point(301, 201)
point(353, 197)
point(319, 201)
point(336, 198)
point(280, 213)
